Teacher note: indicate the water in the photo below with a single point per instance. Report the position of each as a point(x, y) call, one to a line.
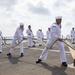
point(8, 40)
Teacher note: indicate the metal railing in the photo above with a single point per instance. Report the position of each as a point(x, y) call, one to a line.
point(8, 40)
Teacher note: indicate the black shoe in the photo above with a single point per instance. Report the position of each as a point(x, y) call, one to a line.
point(64, 64)
point(74, 62)
point(22, 55)
point(28, 46)
point(40, 45)
point(38, 61)
point(33, 46)
point(72, 42)
point(9, 54)
point(0, 52)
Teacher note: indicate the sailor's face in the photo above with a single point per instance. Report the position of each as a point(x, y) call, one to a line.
point(49, 29)
point(58, 21)
point(29, 27)
point(73, 29)
point(22, 26)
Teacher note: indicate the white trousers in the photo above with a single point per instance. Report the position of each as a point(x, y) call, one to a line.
point(39, 41)
point(48, 38)
point(13, 43)
point(0, 45)
point(73, 39)
point(44, 54)
point(30, 42)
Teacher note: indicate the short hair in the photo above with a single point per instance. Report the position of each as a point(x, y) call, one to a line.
point(29, 25)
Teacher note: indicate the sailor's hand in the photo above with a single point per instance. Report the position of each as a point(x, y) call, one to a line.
point(60, 39)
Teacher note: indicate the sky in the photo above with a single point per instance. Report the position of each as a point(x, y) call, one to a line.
point(40, 14)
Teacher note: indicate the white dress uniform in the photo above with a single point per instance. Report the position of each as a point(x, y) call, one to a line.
point(73, 36)
point(48, 34)
point(18, 36)
point(55, 33)
point(0, 41)
point(30, 35)
point(40, 36)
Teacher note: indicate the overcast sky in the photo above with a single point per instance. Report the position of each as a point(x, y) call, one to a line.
point(38, 13)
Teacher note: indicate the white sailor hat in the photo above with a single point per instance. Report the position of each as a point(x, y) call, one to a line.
point(21, 23)
point(58, 17)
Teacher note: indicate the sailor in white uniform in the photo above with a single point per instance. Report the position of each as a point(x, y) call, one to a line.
point(30, 35)
point(18, 36)
point(55, 34)
point(0, 42)
point(73, 35)
point(48, 33)
point(40, 36)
